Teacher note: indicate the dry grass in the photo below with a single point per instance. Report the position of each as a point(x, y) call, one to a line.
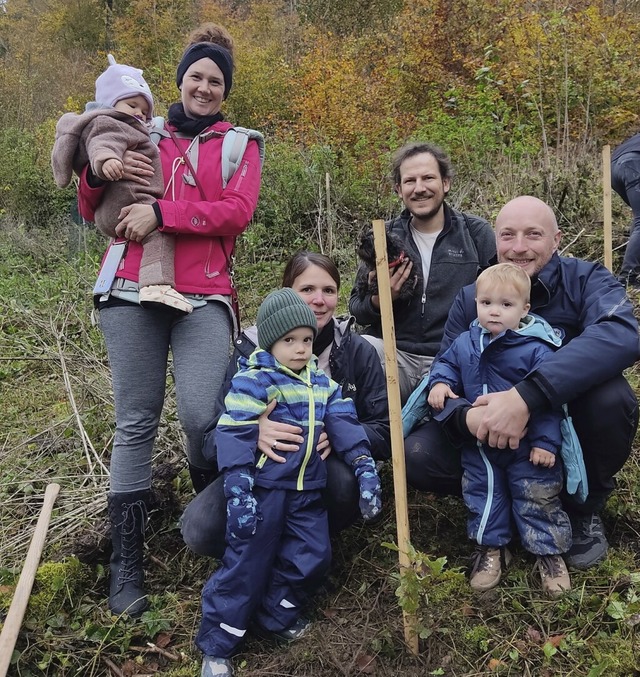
point(57, 424)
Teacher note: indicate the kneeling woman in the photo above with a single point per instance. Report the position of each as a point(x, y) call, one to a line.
point(347, 359)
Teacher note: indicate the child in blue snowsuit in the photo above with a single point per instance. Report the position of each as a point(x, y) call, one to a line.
point(503, 486)
point(278, 548)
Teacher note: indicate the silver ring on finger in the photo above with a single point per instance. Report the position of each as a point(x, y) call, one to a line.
point(274, 446)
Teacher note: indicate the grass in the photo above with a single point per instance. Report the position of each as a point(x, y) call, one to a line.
point(57, 425)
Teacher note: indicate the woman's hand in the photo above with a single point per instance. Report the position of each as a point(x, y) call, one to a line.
point(137, 167)
point(324, 446)
point(136, 222)
point(274, 436)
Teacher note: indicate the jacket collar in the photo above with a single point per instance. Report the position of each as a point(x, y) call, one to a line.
point(262, 359)
point(545, 283)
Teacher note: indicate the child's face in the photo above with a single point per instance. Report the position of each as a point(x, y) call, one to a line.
point(500, 308)
point(293, 350)
point(137, 106)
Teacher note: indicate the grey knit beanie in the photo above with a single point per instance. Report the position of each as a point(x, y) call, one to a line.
point(282, 311)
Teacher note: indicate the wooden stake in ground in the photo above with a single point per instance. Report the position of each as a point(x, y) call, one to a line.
point(395, 416)
point(606, 193)
point(13, 621)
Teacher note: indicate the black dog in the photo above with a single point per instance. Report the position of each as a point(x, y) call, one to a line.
point(397, 254)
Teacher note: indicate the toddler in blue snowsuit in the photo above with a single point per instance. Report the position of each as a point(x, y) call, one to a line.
point(506, 486)
point(278, 548)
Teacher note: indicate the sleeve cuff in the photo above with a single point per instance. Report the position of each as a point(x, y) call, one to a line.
point(533, 397)
point(94, 181)
point(158, 212)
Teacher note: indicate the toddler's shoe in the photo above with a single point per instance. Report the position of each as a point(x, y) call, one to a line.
point(554, 575)
point(294, 632)
point(486, 570)
point(291, 634)
point(216, 667)
point(164, 295)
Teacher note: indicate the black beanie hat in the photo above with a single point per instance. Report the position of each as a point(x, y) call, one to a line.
point(282, 311)
point(207, 50)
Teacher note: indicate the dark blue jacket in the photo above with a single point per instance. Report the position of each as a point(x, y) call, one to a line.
point(590, 312)
point(473, 366)
point(309, 400)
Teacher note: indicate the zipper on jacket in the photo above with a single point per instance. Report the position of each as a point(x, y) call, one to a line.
point(242, 174)
point(423, 300)
point(310, 437)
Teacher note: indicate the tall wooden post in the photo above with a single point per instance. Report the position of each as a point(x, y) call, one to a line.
point(395, 417)
point(606, 193)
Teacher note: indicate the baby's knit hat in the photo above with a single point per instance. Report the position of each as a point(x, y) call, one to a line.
point(122, 82)
point(282, 311)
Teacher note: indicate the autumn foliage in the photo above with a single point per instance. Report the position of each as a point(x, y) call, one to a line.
point(339, 85)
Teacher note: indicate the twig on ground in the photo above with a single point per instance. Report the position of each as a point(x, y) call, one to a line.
point(112, 666)
point(154, 648)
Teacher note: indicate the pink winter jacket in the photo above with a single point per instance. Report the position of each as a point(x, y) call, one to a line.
point(205, 230)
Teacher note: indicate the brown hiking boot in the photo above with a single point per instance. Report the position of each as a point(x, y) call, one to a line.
point(487, 567)
point(156, 295)
point(554, 575)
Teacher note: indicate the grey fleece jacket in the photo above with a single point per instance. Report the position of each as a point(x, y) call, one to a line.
point(465, 245)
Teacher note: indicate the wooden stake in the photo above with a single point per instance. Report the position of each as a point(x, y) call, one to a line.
point(395, 417)
point(606, 192)
point(13, 621)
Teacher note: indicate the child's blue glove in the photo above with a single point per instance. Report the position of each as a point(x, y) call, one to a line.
point(242, 507)
point(370, 489)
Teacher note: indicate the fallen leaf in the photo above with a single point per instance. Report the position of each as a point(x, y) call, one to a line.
point(163, 640)
point(533, 635)
point(366, 664)
point(330, 612)
point(495, 664)
point(555, 640)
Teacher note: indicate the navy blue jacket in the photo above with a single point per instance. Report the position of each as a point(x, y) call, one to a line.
point(589, 311)
point(473, 366)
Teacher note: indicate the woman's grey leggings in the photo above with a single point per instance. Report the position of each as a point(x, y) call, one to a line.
point(138, 341)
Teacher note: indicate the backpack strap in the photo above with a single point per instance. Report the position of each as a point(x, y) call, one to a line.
point(233, 147)
point(158, 132)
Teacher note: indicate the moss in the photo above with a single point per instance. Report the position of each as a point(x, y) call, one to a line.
point(58, 588)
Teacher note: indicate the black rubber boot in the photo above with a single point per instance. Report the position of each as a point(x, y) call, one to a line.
point(201, 478)
point(128, 515)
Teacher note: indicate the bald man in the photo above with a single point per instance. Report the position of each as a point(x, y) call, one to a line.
point(589, 310)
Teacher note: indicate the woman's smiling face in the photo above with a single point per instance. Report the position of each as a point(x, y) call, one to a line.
point(319, 291)
point(202, 89)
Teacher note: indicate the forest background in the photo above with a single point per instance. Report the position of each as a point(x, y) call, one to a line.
point(522, 94)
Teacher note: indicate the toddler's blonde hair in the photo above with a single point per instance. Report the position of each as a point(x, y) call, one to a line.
point(506, 275)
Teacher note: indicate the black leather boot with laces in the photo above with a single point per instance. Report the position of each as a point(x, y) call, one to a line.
point(128, 516)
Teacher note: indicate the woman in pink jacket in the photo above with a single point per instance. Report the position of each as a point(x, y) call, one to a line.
point(205, 218)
